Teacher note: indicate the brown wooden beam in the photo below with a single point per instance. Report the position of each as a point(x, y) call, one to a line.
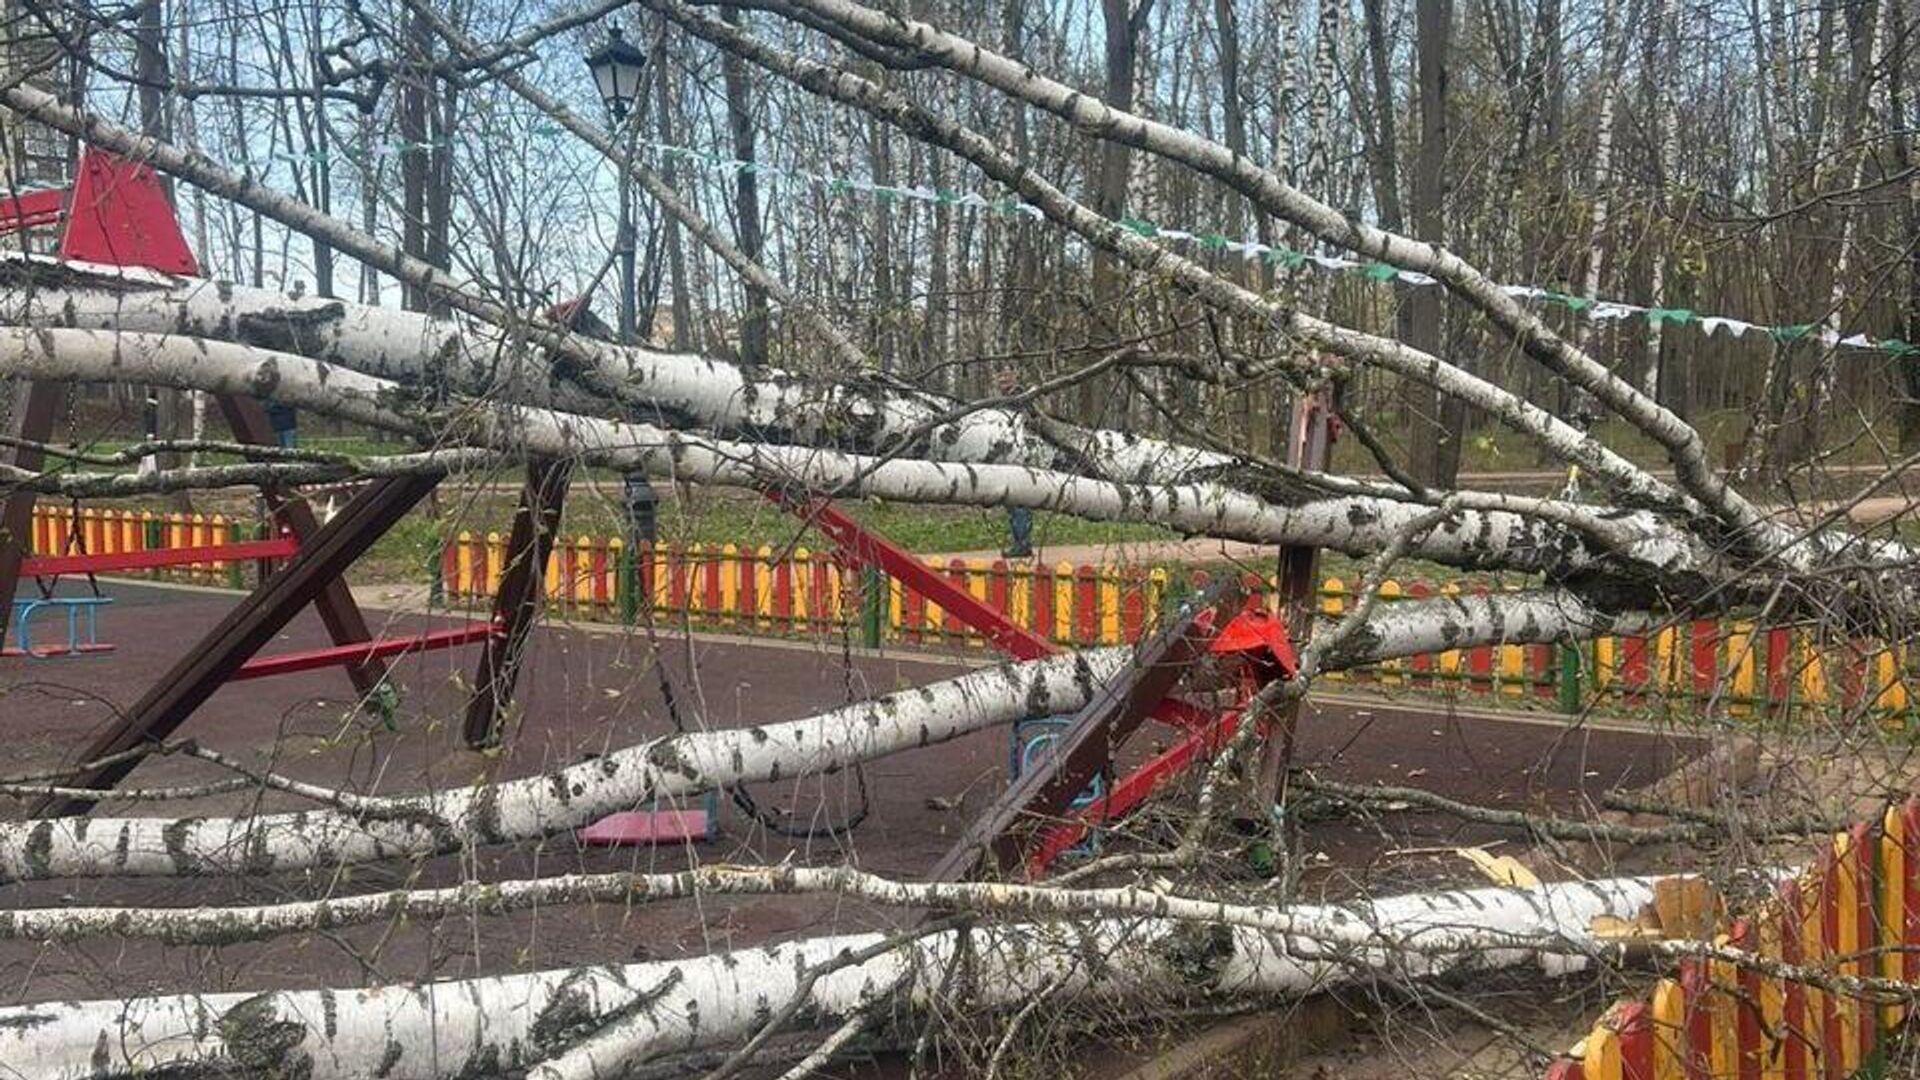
point(252, 623)
point(35, 407)
point(1310, 446)
point(517, 606)
point(339, 612)
point(1045, 793)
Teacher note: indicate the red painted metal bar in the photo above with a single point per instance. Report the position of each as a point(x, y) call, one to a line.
point(867, 549)
point(31, 209)
point(284, 547)
point(1130, 791)
point(363, 652)
point(1004, 832)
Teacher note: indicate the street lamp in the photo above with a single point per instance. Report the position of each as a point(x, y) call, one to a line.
point(617, 68)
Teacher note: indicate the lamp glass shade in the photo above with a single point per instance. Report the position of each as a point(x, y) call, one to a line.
point(617, 67)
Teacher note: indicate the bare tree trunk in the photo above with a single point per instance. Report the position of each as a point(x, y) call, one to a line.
point(1663, 37)
point(934, 346)
point(746, 197)
point(1383, 137)
point(1123, 23)
point(1255, 433)
point(321, 142)
point(1865, 38)
point(416, 111)
point(1582, 406)
point(1437, 437)
point(1900, 112)
point(667, 103)
point(163, 409)
point(887, 309)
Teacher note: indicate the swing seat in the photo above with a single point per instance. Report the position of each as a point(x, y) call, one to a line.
point(83, 613)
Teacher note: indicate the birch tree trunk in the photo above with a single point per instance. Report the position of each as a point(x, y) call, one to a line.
point(689, 390)
point(641, 1011)
point(1635, 548)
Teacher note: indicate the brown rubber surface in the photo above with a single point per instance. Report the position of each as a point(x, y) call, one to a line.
point(584, 693)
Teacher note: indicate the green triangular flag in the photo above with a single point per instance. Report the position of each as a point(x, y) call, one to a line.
point(1658, 315)
point(1791, 332)
point(1898, 347)
point(1287, 257)
point(1141, 226)
point(1380, 271)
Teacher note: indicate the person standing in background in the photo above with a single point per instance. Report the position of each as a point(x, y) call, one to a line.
point(285, 423)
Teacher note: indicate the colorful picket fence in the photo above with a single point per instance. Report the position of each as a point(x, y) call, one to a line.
point(799, 591)
point(58, 531)
point(1728, 666)
point(1854, 913)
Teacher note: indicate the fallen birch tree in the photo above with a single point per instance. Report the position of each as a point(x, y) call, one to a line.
point(1354, 523)
point(630, 1014)
point(492, 382)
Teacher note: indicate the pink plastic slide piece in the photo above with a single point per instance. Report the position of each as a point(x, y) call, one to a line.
point(648, 827)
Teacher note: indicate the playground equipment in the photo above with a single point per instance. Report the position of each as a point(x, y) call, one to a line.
point(1032, 742)
point(1036, 819)
point(116, 213)
point(81, 611)
point(657, 826)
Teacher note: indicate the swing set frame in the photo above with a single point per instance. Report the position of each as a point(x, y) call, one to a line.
point(116, 213)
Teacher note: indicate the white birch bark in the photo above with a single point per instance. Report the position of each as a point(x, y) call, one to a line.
point(1355, 524)
point(485, 1025)
point(1610, 61)
point(684, 765)
point(512, 810)
point(477, 357)
point(1631, 483)
point(1087, 113)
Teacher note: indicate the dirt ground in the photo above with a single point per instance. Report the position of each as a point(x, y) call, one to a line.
point(586, 691)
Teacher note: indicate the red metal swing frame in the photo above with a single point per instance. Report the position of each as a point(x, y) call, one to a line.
point(1256, 637)
point(116, 213)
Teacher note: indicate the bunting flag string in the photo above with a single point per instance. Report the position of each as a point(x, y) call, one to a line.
point(1592, 308)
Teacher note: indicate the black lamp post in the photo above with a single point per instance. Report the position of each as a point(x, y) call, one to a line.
point(617, 68)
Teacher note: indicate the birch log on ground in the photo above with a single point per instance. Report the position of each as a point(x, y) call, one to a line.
point(685, 765)
point(613, 1016)
point(510, 810)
